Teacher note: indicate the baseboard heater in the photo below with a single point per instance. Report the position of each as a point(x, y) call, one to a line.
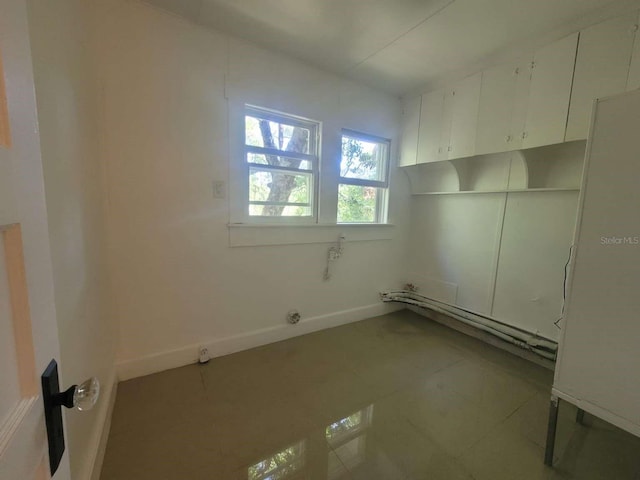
point(521, 338)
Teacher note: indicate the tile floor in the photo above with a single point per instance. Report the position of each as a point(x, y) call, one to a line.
point(392, 397)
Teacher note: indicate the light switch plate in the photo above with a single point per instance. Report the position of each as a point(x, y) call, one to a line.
point(219, 189)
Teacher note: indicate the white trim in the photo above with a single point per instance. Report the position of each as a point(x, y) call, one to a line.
point(224, 346)
point(100, 434)
point(245, 235)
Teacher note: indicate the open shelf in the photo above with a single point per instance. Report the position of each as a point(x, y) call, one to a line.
point(552, 168)
point(523, 190)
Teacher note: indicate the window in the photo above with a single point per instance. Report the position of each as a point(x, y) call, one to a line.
point(364, 170)
point(281, 153)
point(348, 436)
point(278, 176)
point(281, 465)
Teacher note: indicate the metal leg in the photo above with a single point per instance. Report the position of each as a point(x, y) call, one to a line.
point(551, 431)
point(580, 416)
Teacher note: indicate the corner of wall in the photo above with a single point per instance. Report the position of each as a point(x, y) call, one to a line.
point(98, 441)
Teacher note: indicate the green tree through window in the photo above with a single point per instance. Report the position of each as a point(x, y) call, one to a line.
point(363, 179)
point(282, 157)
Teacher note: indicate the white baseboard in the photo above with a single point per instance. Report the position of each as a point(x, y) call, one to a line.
point(101, 436)
point(224, 346)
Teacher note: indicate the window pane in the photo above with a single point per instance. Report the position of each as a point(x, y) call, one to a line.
point(362, 159)
point(260, 132)
point(278, 161)
point(280, 465)
point(277, 189)
point(344, 426)
point(357, 204)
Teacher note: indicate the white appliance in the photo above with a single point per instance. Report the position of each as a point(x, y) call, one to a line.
point(599, 357)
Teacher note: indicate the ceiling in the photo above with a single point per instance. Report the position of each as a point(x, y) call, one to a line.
point(395, 45)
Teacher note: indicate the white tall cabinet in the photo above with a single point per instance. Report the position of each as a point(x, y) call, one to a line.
point(597, 366)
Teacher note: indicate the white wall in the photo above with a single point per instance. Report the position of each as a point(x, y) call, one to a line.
point(455, 239)
point(536, 238)
point(500, 254)
point(170, 123)
point(67, 115)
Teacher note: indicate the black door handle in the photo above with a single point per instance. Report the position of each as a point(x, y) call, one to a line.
point(82, 397)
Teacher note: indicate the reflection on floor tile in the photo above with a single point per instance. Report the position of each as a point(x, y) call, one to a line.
point(392, 397)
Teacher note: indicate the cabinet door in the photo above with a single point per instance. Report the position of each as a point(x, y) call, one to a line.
point(634, 70)
point(445, 132)
point(464, 117)
point(410, 127)
point(497, 100)
point(602, 68)
point(521, 103)
point(550, 92)
point(430, 126)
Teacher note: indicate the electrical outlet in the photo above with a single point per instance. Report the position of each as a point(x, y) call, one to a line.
point(219, 189)
point(203, 355)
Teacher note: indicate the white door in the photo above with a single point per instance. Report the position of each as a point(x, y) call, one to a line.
point(28, 331)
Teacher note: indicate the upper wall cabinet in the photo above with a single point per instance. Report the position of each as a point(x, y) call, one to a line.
point(549, 93)
point(445, 129)
point(430, 126)
point(634, 70)
point(497, 129)
point(543, 99)
point(464, 117)
point(449, 121)
point(602, 68)
point(525, 104)
point(410, 126)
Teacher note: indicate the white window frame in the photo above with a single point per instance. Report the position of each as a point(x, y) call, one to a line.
point(382, 200)
point(313, 157)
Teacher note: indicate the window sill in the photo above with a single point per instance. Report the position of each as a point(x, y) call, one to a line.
point(254, 235)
